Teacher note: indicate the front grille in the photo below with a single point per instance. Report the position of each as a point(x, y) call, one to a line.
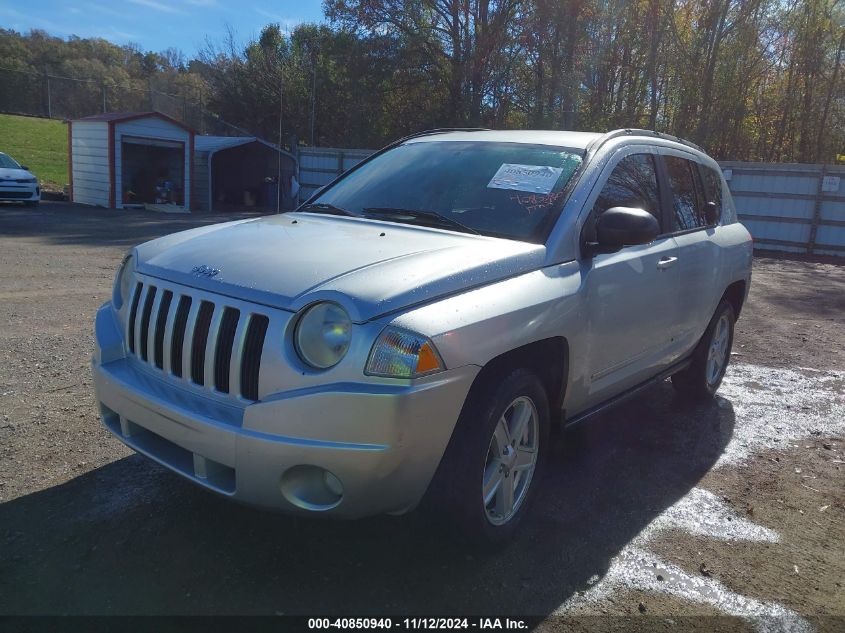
point(15, 195)
point(202, 342)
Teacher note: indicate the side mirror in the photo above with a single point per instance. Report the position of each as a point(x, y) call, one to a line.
point(711, 213)
point(625, 226)
point(24, 167)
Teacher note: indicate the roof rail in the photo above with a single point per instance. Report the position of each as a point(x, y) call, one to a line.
point(639, 132)
point(441, 130)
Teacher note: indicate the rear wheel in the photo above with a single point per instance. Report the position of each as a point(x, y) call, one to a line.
point(710, 358)
point(486, 479)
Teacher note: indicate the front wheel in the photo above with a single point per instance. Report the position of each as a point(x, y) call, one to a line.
point(486, 479)
point(710, 358)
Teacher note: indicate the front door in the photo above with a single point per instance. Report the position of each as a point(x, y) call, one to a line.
point(631, 294)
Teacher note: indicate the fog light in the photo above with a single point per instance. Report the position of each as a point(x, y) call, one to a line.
point(311, 488)
point(333, 483)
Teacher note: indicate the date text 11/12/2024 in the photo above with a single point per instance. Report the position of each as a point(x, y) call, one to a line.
point(428, 623)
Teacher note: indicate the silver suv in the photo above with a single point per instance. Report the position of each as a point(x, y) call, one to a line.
point(414, 330)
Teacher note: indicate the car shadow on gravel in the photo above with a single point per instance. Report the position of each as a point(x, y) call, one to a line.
point(130, 537)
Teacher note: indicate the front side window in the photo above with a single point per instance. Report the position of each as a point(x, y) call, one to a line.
point(632, 183)
point(509, 190)
point(688, 213)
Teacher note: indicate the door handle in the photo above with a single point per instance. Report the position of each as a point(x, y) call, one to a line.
point(665, 262)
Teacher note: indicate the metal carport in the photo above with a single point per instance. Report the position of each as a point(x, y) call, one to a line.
point(232, 172)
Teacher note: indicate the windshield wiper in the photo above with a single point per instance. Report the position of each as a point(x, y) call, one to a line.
point(433, 216)
point(322, 207)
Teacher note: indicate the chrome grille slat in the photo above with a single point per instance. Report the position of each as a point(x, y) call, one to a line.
point(188, 342)
point(151, 327)
point(199, 344)
point(223, 350)
point(250, 364)
point(144, 326)
point(177, 343)
point(194, 339)
point(237, 353)
point(167, 338)
point(139, 310)
point(211, 346)
point(133, 314)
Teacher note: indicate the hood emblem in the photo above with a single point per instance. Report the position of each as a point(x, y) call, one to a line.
point(204, 271)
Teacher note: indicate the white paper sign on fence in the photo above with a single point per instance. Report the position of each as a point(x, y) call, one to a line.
point(830, 184)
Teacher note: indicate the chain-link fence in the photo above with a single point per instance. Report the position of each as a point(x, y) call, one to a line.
point(45, 95)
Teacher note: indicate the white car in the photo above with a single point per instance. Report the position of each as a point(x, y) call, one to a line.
point(17, 183)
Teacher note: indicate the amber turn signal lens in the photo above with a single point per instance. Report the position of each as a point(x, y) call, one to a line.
point(427, 360)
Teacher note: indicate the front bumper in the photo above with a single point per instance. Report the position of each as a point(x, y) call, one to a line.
point(15, 191)
point(381, 442)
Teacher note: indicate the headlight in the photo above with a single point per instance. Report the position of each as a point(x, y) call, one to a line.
point(322, 335)
point(31, 180)
point(123, 281)
point(402, 354)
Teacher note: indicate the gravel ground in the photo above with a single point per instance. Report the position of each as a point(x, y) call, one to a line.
point(731, 508)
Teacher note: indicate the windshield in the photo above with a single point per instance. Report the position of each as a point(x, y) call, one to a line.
point(8, 162)
point(509, 190)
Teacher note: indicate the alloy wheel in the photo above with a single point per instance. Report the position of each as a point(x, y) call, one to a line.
point(511, 460)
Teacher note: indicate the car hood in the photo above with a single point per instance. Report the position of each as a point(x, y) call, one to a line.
point(7, 173)
point(370, 267)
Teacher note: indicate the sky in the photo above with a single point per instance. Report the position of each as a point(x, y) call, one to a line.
point(157, 24)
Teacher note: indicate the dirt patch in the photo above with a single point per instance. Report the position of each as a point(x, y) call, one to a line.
point(797, 494)
point(795, 316)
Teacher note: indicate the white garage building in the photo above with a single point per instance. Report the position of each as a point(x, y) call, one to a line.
point(123, 158)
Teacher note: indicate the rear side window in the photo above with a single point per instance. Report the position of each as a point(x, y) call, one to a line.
point(632, 183)
point(688, 211)
point(713, 187)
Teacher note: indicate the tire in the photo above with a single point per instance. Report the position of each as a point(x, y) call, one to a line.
point(711, 356)
point(456, 494)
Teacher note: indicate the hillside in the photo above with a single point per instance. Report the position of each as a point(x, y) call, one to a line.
point(40, 144)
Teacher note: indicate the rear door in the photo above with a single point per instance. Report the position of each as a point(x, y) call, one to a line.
point(630, 295)
point(698, 253)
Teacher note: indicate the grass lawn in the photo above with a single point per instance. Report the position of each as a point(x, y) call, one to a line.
point(40, 144)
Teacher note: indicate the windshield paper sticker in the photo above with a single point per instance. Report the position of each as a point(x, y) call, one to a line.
point(533, 178)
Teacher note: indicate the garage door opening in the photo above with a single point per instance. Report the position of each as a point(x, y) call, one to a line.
point(153, 173)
